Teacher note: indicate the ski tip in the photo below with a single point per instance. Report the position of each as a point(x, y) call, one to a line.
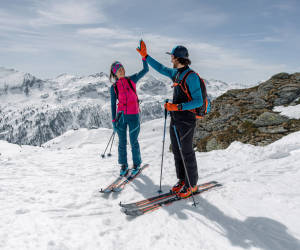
point(132, 213)
point(104, 191)
point(117, 190)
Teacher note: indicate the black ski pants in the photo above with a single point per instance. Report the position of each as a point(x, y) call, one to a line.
point(185, 126)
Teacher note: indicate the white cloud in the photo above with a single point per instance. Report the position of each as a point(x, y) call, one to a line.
point(269, 40)
point(108, 33)
point(95, 47)
point(67, 12)
point(284, 6)
point(12, 21)
point(206, 16)
point(16, 48)
point(212, 60)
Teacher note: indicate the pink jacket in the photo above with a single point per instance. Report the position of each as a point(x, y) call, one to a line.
point(128, 99)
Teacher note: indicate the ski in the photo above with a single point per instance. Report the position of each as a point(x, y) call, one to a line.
point(165, 202)
point(129, 178)
point(110, 187)
point(156, 198)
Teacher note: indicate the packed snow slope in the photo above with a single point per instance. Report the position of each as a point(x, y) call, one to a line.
point(49, 196)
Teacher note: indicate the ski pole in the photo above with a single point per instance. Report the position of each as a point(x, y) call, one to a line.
point(184, 165)
point(112, 135)
point(109, 154)
point(163, 148)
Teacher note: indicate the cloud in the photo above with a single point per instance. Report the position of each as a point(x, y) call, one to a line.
point(12, 21)
point(215, 57)
point(205, 16)
point(16, 48)
point(284, 6)
point(67, 12)
point(95, 46)
point(214, 61)
point(269, 40)
point(107, 33)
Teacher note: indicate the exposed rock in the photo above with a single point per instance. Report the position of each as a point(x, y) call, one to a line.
point(45, 96)
point(281, 76)
point(246, 115)
point(213, 144)
point(273, 130)
point(269, 119)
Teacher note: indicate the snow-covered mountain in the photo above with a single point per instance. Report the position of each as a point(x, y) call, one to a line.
point(33, 111)
point(216, 88)
point(15, 82)
point(50, 200)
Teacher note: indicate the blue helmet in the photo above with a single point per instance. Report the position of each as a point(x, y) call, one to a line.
point(180, 52)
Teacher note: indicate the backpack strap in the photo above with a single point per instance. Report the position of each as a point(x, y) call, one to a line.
point(184, 86)
point(116, 90)
point(130, 84)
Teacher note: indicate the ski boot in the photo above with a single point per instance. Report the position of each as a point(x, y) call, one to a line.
point(178, 186)
point(124, 170)
point(135, 169)
point(186, 192)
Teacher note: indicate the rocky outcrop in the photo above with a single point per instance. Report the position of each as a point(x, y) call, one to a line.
point(246, 115)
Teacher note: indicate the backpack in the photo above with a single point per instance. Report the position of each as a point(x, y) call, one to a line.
point(205, 108)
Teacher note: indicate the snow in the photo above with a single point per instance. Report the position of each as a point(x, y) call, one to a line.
point(26, 101)
point(10, 77)
point(50, 200)
point(293, 112)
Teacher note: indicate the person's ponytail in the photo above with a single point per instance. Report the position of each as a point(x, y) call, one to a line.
point(112, 76)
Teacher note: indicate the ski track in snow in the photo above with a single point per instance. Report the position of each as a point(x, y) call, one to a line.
point(49, 196)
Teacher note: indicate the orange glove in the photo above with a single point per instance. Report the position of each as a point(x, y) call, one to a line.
point(172, 107)
point(142, 49)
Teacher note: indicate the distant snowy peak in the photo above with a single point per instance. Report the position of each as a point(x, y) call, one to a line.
point(11, 77)
point(67, 85)
point(75, 83)
point(63, 78)
point(153, 86)
point(17, 82)
point(216, 88)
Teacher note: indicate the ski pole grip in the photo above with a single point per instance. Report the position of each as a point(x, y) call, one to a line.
point(166, 111)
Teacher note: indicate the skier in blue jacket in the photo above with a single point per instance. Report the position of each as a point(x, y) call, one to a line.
point(181, 115)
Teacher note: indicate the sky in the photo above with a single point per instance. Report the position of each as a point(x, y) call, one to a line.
point(232, 40)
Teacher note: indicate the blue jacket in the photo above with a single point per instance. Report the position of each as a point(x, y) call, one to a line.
point(192, 81)
point(135, 78)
